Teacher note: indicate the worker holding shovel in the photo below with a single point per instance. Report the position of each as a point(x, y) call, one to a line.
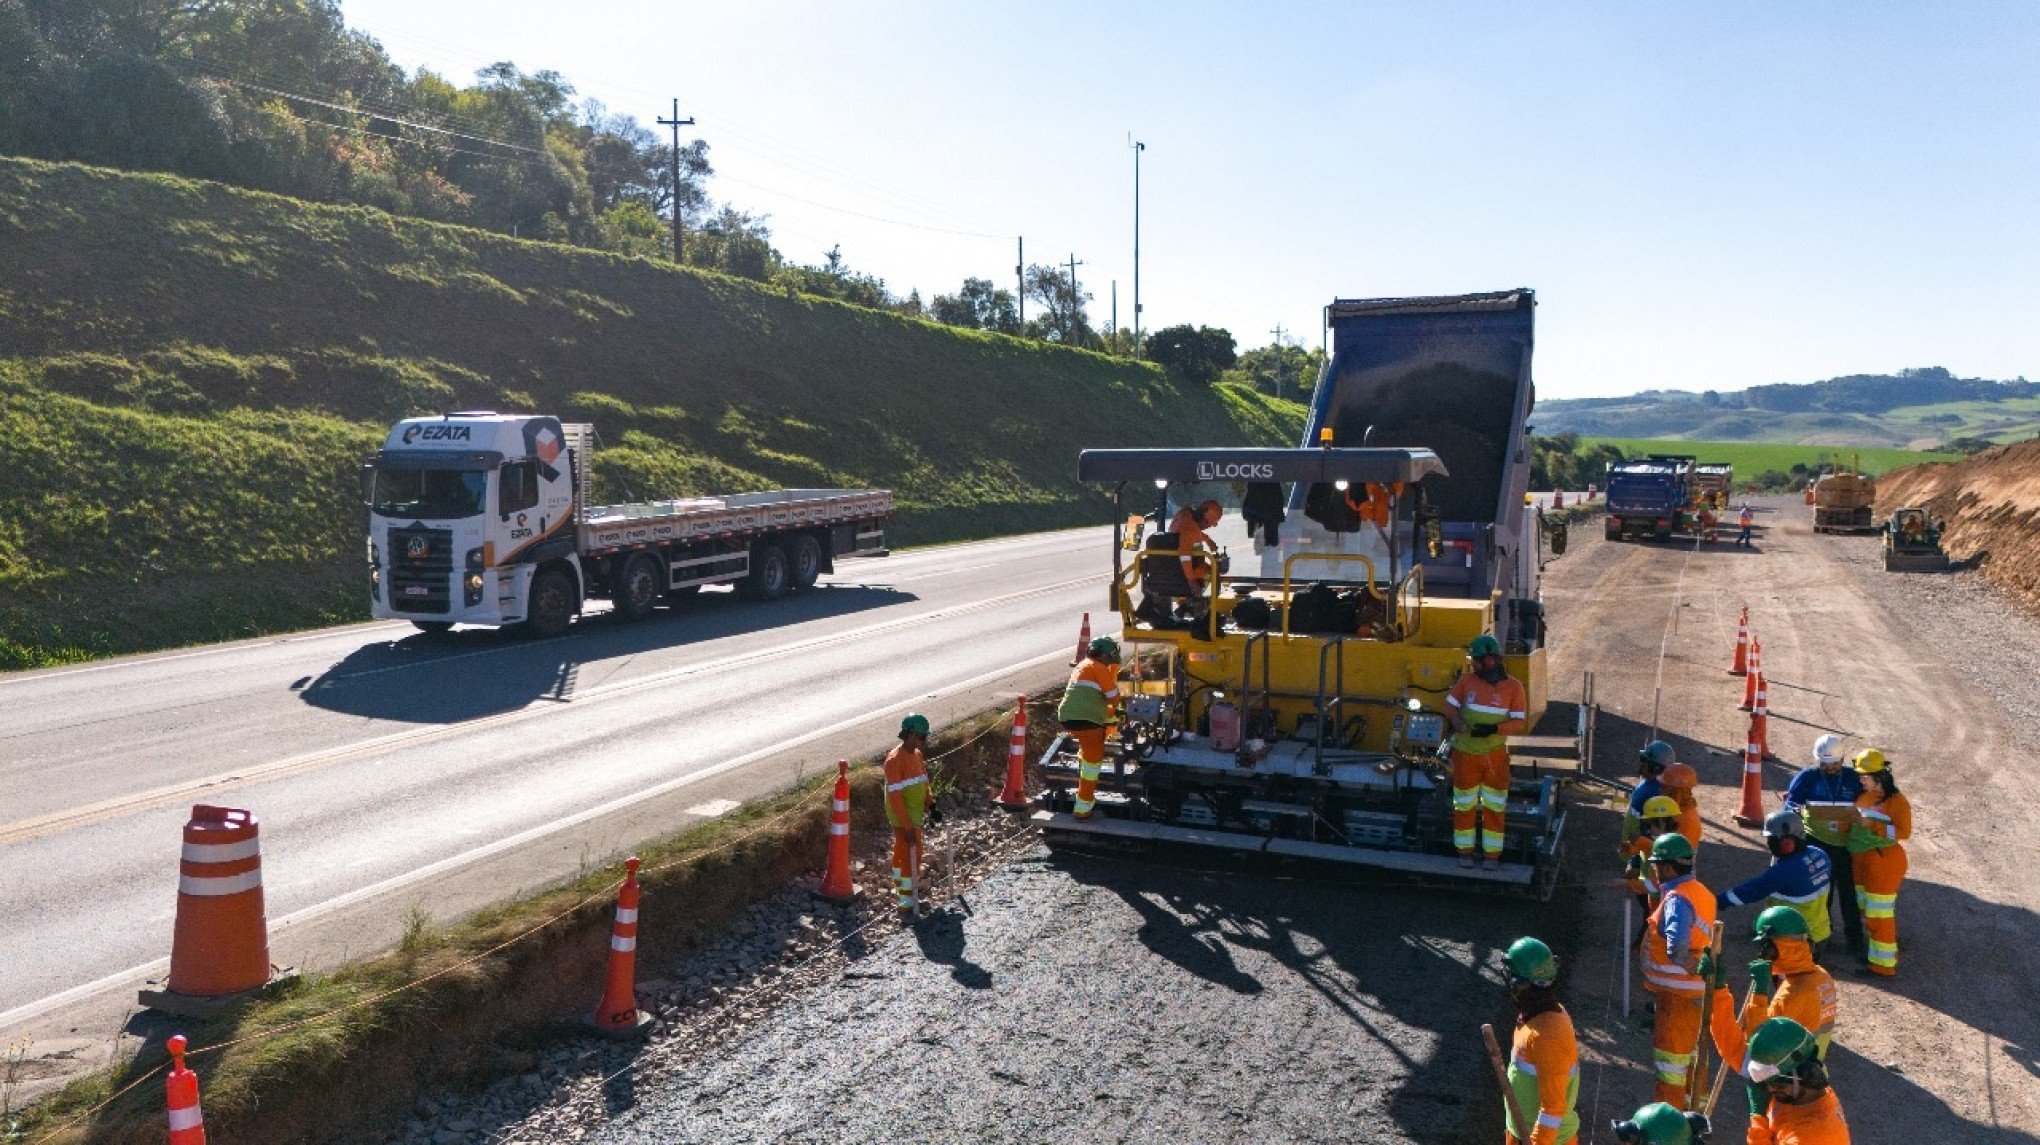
point(1544, 1058)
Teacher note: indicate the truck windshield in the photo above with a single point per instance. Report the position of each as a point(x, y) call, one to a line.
point(434, 494)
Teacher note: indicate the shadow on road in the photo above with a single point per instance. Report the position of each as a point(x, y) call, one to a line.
point(428, 679)
point(941, 938)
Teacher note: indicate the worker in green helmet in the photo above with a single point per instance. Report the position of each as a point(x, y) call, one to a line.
point(1803, 1110)
point(908, 805)
point(1544, 1056)
point(1784, 983)
point(1661, 1124)
point(1089, 711)
point(1486, 706)
point(1677, 955)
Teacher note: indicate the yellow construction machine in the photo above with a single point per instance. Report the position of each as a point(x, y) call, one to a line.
point(1842, 499)
point(1290, 700)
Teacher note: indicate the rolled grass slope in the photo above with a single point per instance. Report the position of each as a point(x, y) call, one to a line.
point(338, 1057)
point(1990, 508)
point(189, 375)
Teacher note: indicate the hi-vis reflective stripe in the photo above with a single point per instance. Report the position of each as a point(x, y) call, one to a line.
point(222, 852)
point(220, 885)
point(903, 784)
point(839, 828)
point(1549, 1120)
point(1519, 1062)
point(1488, 710)
point(626, 914)
point(1093, 685)
point(840, 805)
point(188, 1117)
point(620, 943)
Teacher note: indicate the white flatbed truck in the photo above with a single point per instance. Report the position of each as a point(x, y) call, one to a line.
point(485, 518)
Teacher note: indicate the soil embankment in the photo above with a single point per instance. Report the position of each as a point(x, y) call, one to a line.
point(1990, 509)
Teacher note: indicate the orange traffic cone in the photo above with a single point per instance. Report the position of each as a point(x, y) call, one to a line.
point(1083, 642)
point(1014, 797)
point(1742, 644)
point(1756, 665)
point(1751, 813)
point(220, 945)
point(836, 884)
point(617, 1014)
point(180, 1092)
point(1760, 715)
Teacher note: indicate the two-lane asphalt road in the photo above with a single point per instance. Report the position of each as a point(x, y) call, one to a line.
point(390, 769)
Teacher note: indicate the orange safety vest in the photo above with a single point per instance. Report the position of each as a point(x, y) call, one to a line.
point(1189, 531)
point(1479, 702)
point(1374, 505)
point(906, 787)
point(1660, 972)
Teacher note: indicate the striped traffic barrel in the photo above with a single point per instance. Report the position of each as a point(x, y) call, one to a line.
point(221, 945)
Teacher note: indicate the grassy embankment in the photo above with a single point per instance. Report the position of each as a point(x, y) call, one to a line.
point(190, 375)
point(1752, 458)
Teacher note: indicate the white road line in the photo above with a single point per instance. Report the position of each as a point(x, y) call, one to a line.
point(140, 973)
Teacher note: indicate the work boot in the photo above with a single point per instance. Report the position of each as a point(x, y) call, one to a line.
point(1466, 861)
point(1490, 864)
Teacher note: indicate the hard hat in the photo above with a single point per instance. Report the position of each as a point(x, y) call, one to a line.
point(1484, 645)
point(1531, 961)
point(1780, 921)
point(1776, 1047)
point(915, 723)
point(1671, 847)
point(1661, 1124)
point(1212, 507)
point(1679, 775)
point(1660, 807)
point(1784, 825)
point(1657, 752)
point(1828, 749)
point(1869, 761)
point(1103, 648)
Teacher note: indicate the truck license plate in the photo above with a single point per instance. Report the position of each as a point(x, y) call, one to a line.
point(416, 590)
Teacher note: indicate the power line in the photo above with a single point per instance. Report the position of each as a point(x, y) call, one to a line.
point(860, 214)
point(399, 121)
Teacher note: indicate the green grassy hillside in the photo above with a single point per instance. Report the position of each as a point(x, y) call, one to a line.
point(1752, 458)
point(192, 374)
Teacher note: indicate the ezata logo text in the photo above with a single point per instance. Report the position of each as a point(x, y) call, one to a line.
point(1221, 471)
point(436, 433)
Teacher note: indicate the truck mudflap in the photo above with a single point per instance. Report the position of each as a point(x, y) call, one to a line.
point(1121, 832)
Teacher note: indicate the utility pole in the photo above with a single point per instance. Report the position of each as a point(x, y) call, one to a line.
point(1070, 315)
point(1020, 281)
point(1114, 340)
point(676, 123)
point(1137, 149)
point(1281, 360)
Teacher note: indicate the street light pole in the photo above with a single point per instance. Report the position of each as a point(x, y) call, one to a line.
point(1138, 147)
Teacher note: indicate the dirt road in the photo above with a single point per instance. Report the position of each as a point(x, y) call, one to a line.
point(1090, 999)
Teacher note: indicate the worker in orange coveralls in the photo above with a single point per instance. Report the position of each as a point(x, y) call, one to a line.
point(1677, 957)
point(908, 807)
point(1089, 709)
point(1487, 706)
point(1678, 782)
point(1803, 1109)
point(1785, 983)
point(1190, 525)
point(1544, 1056)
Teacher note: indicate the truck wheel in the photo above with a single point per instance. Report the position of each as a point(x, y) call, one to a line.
point(770, 576)
point(433, 627)
point(636, 591)
point(1612, 528)
point(807, 562)
point(552, 603)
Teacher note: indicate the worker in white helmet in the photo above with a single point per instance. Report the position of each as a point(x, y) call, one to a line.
point(1824, 796)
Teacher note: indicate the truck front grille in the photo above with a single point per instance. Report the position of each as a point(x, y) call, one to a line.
point(421, 569)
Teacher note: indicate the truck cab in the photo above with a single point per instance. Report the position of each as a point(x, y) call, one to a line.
point(464, 509)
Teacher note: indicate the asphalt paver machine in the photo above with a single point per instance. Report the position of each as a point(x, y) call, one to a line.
point(1912, 542)
point(1292, 703)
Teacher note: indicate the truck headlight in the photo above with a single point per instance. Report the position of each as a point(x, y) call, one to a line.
point(471, 584)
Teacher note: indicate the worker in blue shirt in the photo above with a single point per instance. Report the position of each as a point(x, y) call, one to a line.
point(1797, 877)
point(1651, 762)
point(1824, 798)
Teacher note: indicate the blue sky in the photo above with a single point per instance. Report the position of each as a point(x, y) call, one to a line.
point(1704, 196)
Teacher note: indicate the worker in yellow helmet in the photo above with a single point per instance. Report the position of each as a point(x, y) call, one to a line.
point(1883, 823)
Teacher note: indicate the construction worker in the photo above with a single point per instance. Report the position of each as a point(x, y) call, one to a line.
point(1651, 761)
point(1744, 520)
point(1785, 983)
point(1544, 1057)
point(1662, 1124)
point(1824, 797)
point(1486, 706)
point(1677, 955)
point(907, 808)
point(1190, 525)
point(1797, 877)
point(1883, 823)
point(1660, 816)
point(1679, 780)
point(1803, 1109)
point(1090, 709)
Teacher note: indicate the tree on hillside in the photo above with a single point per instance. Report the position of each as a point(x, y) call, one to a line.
point(1285, 370)
point(1198, 354)
point(1061, 299)
point(835, 279)
point(735, 242)
point(977, 305)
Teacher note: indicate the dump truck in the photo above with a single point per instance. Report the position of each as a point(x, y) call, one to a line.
point(1842, 500)
point(1912, 542)
point(485, 518)
point(1648, 496)
point(1712, 482)
point(1292, 703)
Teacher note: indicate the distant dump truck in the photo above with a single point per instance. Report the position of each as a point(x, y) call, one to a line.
point(1842, 499)
point(1713, 481)
point(485, 518)
point(1648, 496)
